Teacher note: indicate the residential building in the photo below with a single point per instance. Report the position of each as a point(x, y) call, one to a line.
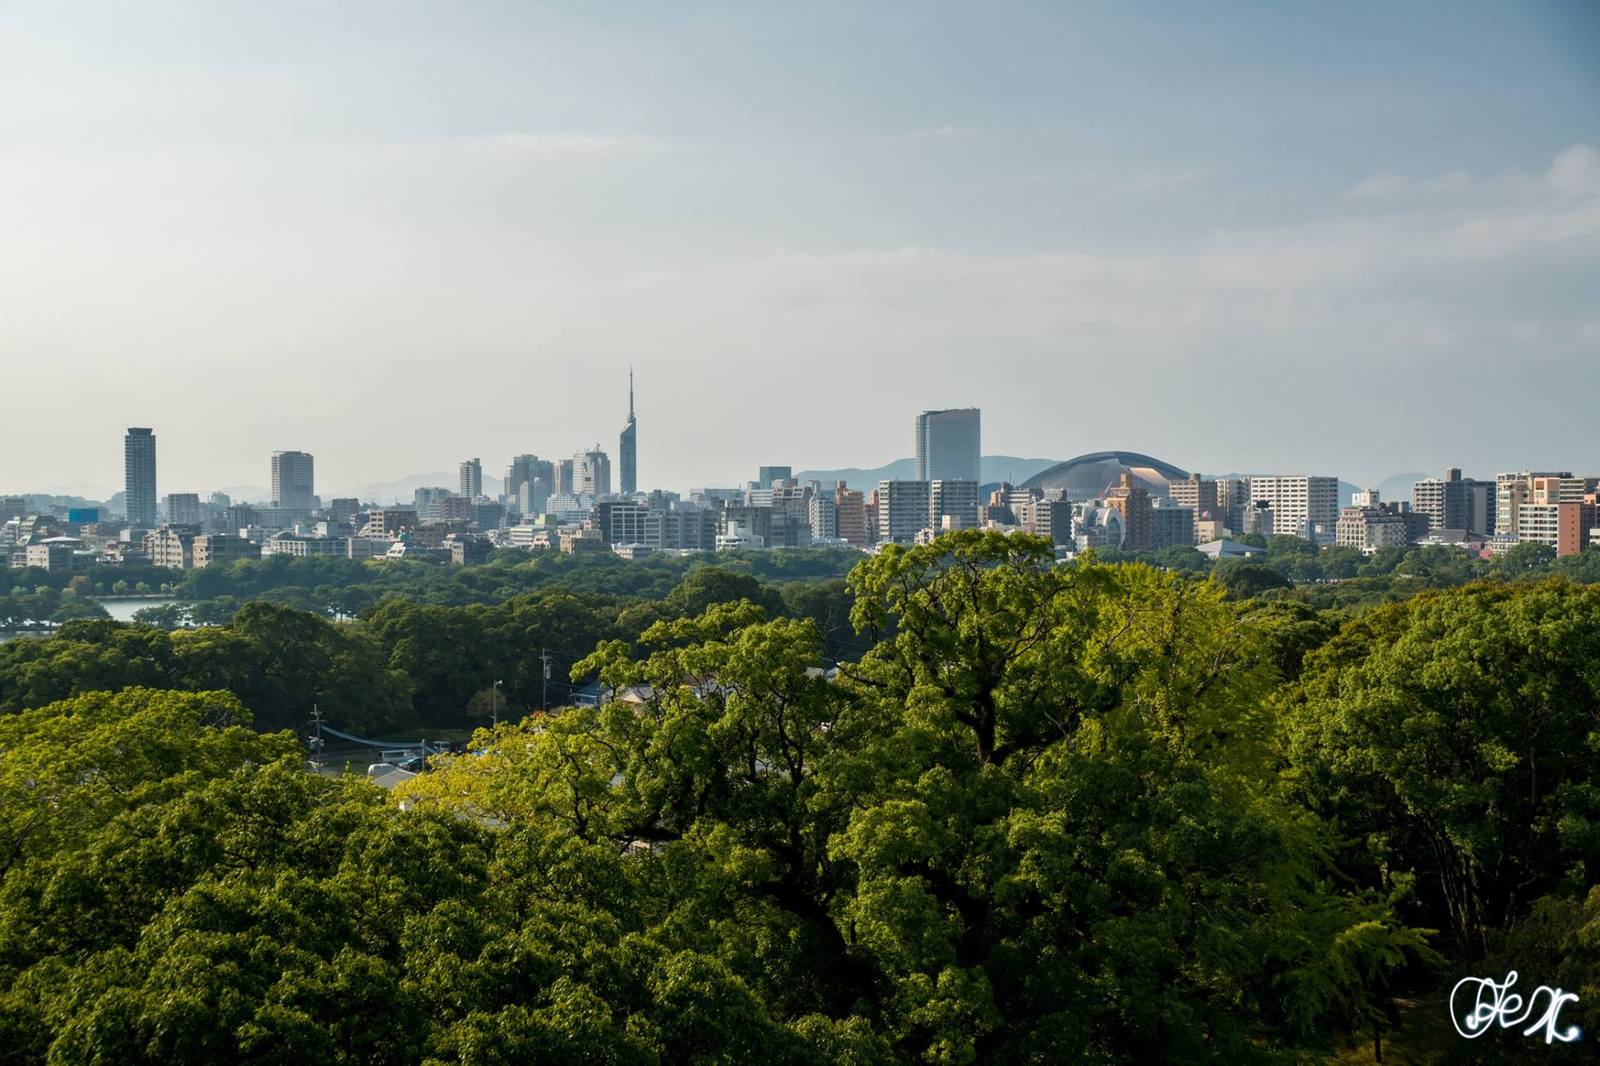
point(1132, 502)
point(344, 509)
point(627, 522)
point(139, 477)
point(469, 479)
point(1371, 527)
point(54, 554)
point(183, 508)
point(903, 510)
point(850, 517)
point(952, 504)
point(1195, 493)
point(171, 547)
point(213, 549)
point(949, 445)
point(304, 547)
point(1171, 525)
point(387, 523)
point(823, 514)
point(1302, 506)
point(1512, 490)
point(1455, 502)
point(293, 481)
point(468, 549)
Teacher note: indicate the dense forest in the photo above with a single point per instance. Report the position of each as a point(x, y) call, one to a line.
point(960, 804)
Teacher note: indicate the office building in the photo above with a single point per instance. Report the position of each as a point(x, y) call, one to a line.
point(948, 445)
point(429, 502)
point(628, 447)
point(1302, 506)
point(344, 509)
point(592, 472)
point(529, 481)
point(293, 484)
point(766, 476)
point(183, 508)
point(470, 479)
point(139, 477)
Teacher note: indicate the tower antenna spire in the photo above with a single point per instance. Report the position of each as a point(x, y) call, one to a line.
point(630, 392)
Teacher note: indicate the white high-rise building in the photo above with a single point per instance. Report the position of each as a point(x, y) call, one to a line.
point(293, 483)
point(1302, 505)
point(903, 510)
point(949, 445)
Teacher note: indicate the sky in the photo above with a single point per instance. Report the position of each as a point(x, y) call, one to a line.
point(1355, 239)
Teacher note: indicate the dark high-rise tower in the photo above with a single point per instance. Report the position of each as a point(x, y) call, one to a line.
point(948, 446)
point(628, 455)
point(139, 476)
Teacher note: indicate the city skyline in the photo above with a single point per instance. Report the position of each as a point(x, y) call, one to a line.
point(1175, 231)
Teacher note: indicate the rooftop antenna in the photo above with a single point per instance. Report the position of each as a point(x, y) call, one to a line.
point(630, 394)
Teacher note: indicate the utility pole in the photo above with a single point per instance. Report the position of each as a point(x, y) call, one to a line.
point(316, 737)
point(544, 686)
point(494, 704)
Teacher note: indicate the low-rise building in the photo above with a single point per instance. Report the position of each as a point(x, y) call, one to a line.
point(212, 549)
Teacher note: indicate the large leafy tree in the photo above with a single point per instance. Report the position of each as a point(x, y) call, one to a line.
point(1453, 740)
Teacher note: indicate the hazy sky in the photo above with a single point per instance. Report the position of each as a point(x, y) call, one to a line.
point(1354, 239)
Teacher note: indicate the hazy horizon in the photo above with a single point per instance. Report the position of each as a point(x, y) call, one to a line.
point(1357, 240)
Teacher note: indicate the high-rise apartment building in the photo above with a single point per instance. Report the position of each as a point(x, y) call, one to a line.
point(293, 483)
point(470, 479)
point(903, 508)
point(952, 504)
point(1195, 493)
point(1302, 506)
point(948, 445)
point(1455, 502)
point(139, 476)
point(183, 508)
point(628, 447)
point(850, 517)
point(1131, 502)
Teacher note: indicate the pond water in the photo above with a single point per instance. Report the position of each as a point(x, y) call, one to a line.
point(120, 608)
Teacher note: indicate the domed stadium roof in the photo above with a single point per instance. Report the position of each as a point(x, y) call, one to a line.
point(1088, 476)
